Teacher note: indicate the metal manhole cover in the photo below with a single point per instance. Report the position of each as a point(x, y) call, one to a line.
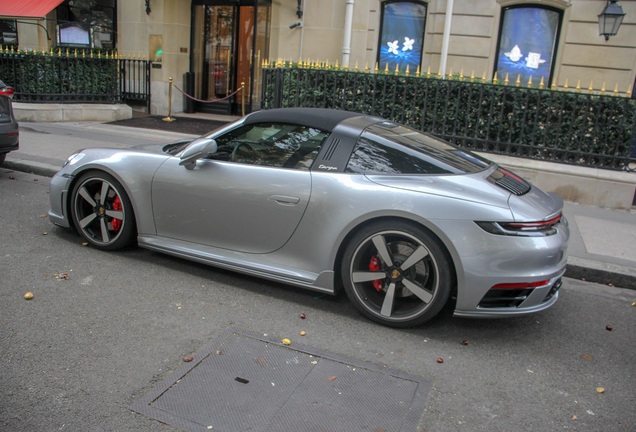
point(288, 388)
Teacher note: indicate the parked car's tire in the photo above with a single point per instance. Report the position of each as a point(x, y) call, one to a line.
point(396, 274)
point(102, 212)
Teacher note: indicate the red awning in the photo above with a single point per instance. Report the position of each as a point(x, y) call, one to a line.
point(27, 8)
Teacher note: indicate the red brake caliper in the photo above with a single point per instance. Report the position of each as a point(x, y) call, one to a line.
point(116, 223)
point(374, 265)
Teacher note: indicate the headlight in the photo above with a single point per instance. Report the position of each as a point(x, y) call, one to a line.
point(73, 159)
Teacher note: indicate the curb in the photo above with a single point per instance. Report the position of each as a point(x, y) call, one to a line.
point(31, 168)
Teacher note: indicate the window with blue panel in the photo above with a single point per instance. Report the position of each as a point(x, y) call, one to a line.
point(528, 41)
point(401, 35)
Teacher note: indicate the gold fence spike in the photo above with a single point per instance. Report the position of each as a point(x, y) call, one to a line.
point(518, 83)
point(397, 68)
point(461, 75)
point(530, 82)
point(506, 81)
point(472, 76)
point(428, 72)
point(417, 72)
point(407, 70)
point(603, 89)
point(483, 78)
point(366, 67)
point(336, 66)
point(450, 74)
point(439, 73)
point(616, 90)
point(565, 87)
point(376, 67)
point(356, 66)
point(629, 91)
point(591, 89)
point(386, 69)
point(99, 54)
point(554, 86)
point(578, 87)
point(494, 80)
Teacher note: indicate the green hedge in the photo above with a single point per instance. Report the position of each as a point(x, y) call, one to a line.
point(43, 77)
point(577, 128)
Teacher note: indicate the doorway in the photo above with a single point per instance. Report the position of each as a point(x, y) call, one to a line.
point(229, 41)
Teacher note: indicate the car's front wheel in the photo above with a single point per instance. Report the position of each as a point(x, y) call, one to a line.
point(102, 212)
point(396, 274)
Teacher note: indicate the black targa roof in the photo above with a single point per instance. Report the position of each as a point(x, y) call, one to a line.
point(318, 118)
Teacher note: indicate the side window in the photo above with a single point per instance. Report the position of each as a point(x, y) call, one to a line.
point(373, 157)
point(271, 144)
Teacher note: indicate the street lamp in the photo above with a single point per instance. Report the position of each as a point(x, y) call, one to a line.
point(610, 19)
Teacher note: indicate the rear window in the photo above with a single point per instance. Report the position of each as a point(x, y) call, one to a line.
point(387, 148)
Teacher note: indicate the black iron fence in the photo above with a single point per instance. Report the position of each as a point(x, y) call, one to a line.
point(560, 126)
point(57, 77)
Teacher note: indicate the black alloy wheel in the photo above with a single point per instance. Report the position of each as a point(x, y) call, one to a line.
point(397, 274)
point(102, 212)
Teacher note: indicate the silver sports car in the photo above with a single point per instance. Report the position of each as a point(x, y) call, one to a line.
point(324, 199)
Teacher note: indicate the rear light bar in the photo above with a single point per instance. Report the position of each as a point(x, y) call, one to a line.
point(7, 91)
point(520, 285)
point(529, 229)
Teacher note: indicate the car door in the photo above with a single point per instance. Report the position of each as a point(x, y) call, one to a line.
point(249, 196)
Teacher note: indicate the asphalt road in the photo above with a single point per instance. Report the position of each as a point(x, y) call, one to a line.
point(82, 350)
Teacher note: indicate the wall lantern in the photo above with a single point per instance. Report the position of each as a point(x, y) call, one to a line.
point(610, 19)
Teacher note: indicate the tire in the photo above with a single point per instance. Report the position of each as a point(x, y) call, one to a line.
point(396, 274)
point(102, 212)
point(3, 156)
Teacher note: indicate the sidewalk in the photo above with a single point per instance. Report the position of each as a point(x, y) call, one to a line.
point(602, 243)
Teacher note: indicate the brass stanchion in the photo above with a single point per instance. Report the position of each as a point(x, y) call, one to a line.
point(169, 118)
point(243, 98)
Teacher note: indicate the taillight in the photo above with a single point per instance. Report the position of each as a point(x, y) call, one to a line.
point(520, 285)
point(536, 228)
point(7, 91)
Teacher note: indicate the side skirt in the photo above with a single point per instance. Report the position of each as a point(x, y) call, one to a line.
point(234, 261)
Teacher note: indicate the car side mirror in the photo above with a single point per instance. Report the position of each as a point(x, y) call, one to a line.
point(196, 150)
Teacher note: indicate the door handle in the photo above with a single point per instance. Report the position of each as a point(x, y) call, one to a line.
point(285, 200)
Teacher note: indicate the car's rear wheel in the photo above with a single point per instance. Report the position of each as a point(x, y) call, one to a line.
point(102, 212)
point(396, 274)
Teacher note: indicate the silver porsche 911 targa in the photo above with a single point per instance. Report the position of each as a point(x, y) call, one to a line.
point(323, 199)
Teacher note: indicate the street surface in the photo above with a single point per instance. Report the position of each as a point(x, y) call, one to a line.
point(82, 350)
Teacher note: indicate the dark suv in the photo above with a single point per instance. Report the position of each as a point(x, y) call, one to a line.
point(9, 137)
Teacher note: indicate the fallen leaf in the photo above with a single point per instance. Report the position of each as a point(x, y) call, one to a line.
point(219, 352)
point(440, 360)
point(28, 296)
point(600, 390)
point(587, 357)
point(608, 327)
point(35, 179)
point(303, 316)
point(11, 178)
point(188, 358)
point(42, 216)
point(84, 244)
point(332, 378)
point(302, 333)
point(44, 233)
point(465, 342)
point(61, 276)
point(286, 341)
point(314, 362)
point(634, 304)
point(574, 417)
point(241, 380)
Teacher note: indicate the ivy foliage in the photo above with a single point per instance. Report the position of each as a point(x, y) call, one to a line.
point(42, 77)
point(569, 127)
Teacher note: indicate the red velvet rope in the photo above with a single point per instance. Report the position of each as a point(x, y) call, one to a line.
point(204, 101)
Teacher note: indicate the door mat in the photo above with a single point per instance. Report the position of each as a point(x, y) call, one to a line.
point(244, 381)
point(194, 126)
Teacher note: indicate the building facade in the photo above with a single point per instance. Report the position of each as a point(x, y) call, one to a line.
point(210, 47)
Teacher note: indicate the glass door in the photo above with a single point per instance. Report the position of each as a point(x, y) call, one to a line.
point(228, 43)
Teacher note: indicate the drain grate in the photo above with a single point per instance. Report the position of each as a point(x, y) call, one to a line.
point(288, 388)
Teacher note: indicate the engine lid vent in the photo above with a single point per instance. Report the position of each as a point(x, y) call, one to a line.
point(509, 181)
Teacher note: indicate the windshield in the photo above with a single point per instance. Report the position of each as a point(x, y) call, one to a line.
point(387, 148)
